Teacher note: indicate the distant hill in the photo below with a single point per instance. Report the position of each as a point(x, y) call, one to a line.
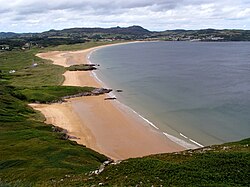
point(203, 35)
point(133, 30)
point(136, 31)
point(7, 34)
point(82, 35)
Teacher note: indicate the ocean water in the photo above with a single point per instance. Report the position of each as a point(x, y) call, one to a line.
point(196, 91)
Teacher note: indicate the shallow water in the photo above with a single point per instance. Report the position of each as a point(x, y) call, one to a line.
point(192, 90)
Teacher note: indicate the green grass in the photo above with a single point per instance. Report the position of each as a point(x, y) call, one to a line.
point(224, 165)
point(46, 94)
point(48, 75)
point(26, 75)
point(18, 60)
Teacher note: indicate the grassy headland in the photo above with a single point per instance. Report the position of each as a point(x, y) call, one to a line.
point(48, 94)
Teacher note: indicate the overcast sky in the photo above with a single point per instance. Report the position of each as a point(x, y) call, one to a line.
point(155, 15)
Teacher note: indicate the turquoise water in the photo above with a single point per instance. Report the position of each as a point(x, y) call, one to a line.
point(196, 90)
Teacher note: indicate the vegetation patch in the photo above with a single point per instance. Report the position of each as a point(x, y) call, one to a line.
point(82, 67)
point(222, 165)
point(29, 70)
point(48, 94)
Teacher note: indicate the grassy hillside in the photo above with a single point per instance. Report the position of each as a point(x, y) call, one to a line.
point(30, 152)
point(223, 165)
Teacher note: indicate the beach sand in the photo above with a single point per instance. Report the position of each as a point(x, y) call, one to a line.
point(102, 125)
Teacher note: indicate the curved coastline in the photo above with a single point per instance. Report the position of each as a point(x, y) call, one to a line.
point(121, 136)
point(193, 145)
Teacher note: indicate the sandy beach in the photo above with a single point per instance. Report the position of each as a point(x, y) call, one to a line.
point(102, 125)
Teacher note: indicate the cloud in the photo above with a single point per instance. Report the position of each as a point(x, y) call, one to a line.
point(37, 15)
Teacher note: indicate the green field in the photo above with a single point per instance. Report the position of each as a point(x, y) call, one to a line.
point(44, 74)
point(32, 154)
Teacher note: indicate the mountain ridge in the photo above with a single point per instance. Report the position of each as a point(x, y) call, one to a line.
point(10, 40)
point(130, 30)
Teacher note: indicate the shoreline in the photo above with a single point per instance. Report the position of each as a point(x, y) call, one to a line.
point(108, 127)
point(192, 145)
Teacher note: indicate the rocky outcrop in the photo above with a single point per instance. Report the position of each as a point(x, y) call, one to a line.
point(83, 67)
point(95, 92)
point(99, 91)
point(63, 133)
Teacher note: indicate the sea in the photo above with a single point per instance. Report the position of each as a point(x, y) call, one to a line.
point(197, 92)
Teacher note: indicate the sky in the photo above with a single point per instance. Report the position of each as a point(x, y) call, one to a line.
point(155, 15)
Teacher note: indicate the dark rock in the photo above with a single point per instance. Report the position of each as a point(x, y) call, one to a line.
point(64, 136)
point(59, 129)
point(119, 90)
point(110, 98)
point(74, 137)
point(99, 91)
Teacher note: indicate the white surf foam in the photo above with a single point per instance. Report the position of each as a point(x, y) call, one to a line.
point(137, 114)
point(183, 135)
point(196, 143)
point(180, 141)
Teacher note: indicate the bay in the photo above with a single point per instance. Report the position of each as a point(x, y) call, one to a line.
point(191, 90)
